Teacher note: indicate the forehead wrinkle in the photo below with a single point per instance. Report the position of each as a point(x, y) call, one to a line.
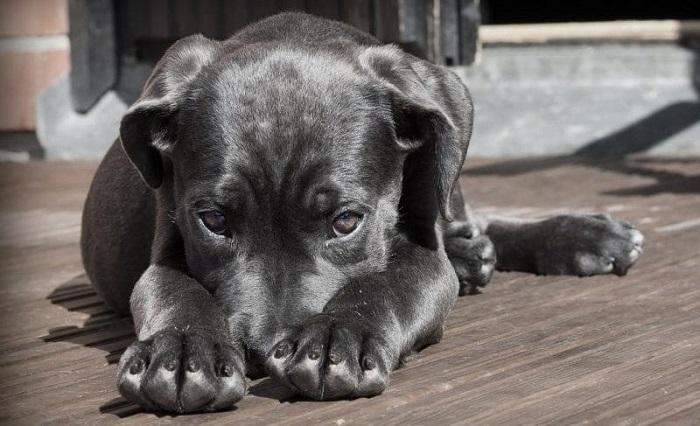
point(261, 89)
point(228, 184)
point(278, 126)
point(246, 174)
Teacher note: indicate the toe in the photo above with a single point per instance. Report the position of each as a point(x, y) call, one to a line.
point(277, 360)
point(232, 388)
point(637, 237)
point(160, 384)
point(197, 391)
point(132, 369)
point(375, 371)
point(304, 373)
point(230, 372)
point(342, 369)
point(634, 254)
point(304, 368)
point(198, 378)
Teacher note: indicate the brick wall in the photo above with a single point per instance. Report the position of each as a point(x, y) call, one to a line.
point(34, 51)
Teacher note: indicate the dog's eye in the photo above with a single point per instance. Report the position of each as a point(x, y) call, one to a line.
point(345, 223)
point(214, 220)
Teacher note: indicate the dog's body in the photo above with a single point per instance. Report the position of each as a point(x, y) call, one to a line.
point(298, 216)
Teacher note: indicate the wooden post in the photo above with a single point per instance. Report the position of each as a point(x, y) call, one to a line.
point(357, 13)
point(449, 33)
point(414, 26)
point(93, 51)
point(469, 21)
point(405, 22)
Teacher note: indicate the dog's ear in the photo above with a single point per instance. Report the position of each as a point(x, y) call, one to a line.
point(432, 113)
point(149, 128)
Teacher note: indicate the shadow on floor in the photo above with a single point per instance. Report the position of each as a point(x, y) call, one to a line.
point(615, 152)
point(103, 329)
point(111, 333)
point(268, 388)
point(666, 181)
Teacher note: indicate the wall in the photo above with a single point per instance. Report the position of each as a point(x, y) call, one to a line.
point(34, 52)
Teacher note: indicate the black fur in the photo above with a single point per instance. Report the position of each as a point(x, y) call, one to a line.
point(280, 128)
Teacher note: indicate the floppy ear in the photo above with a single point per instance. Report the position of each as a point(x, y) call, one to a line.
point(432, 113)
point(149, 128)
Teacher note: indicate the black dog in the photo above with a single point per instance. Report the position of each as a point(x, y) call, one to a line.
point(300, 217)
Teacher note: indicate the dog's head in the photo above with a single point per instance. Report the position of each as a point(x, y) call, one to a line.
point(292, 171)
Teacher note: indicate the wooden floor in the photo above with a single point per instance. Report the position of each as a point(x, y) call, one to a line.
point(529, 350)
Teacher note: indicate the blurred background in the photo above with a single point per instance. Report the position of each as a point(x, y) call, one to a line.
point(549, 78)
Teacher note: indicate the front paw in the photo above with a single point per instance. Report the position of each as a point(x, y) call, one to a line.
point(330, 358)
point(587, 245)
point(182, 371)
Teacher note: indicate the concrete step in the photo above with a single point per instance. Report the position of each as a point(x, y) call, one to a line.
point(602, 99)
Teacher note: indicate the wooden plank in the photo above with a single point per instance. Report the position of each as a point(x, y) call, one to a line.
point(258, 9)
point(469, 22)
point(325, 8)
point(183, 20)
point(357, 13)
point(409, 24)
point(668, 30)
point(209, 19)
point(533, 350)
point(235, 16)
point(433, 30)
point(414, 28)
point(449, 32)
point(158, 19)
point(292, 5)
point(387, 20)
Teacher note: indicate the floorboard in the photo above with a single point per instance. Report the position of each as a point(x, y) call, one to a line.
point(528, 350)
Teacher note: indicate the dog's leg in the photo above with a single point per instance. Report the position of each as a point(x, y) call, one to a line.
point(367, 328)
point(583, 245)
point(470, 251)
point(186, 358)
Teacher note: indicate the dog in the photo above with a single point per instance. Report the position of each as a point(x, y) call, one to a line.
point(286, 202)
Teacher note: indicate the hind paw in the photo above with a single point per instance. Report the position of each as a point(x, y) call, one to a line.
point(472, 256)
point(587, 245)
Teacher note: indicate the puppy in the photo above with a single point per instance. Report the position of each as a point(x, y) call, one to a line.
point(285, 202)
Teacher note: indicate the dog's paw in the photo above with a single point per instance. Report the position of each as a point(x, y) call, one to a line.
point(182, 371)
point(472, 256)
point(587, 245)
point(330, 359)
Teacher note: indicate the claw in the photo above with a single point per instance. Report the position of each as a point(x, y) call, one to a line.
point(171, 365)
point(192, 366)
point(226, 370)
point(368, 364)
point(637, 237)
point(136, 367)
